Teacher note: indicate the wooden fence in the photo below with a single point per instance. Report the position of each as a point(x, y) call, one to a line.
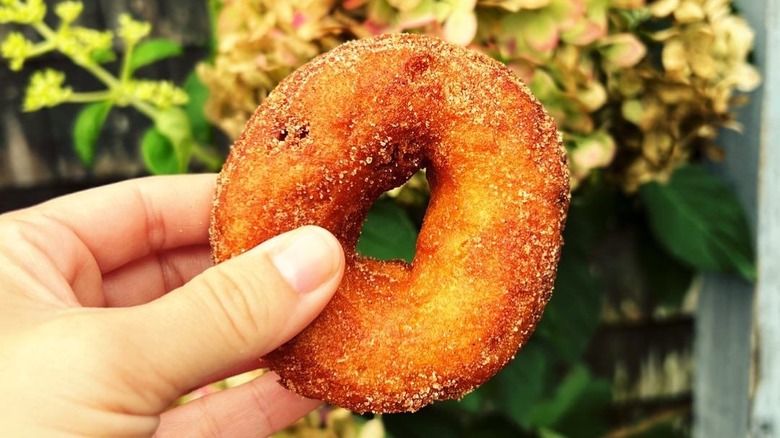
point(737, 384)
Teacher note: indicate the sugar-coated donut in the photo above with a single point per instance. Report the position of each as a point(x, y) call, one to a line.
point(358, 121)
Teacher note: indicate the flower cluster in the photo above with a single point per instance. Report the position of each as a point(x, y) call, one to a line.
point(161, 94)
point(16, 49)
point(12, 11)
point(637, 88)
point(169, 145)
point(672, 112)
point(88, 48)
point(261, 42)
point(46, 89)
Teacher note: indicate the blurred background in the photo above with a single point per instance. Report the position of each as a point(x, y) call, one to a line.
point(648, 332)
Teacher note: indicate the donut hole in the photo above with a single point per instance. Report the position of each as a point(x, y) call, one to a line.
point(413, 196)
point(394, 221)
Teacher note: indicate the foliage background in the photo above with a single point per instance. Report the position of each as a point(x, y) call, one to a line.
point(640, 91)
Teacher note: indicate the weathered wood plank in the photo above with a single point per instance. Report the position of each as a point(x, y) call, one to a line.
point(722, 404)
point(186, 22)
point(765, 419)
point(722, 358)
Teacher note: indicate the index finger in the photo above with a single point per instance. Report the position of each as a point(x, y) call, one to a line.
point(125, 221)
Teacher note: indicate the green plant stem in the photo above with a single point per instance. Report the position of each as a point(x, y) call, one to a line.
point(206, 156)
point(145, 108)
point(41, 48)
point(89, 96)
point(114, 85)
point(99, 72)
point(124, 77)
point(666, 416)
point(118, 89)
point(102, 74)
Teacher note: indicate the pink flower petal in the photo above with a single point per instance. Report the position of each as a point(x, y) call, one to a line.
point(353, 4)
point(541, 33)
point(461, 27)
point(624, 50)
point(299, 19)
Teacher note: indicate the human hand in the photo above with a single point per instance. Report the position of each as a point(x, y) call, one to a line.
point(110, 310)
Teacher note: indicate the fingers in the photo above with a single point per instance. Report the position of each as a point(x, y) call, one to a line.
point(254, 409)
point(122, 222)
point(239, 310)
point(154, 275)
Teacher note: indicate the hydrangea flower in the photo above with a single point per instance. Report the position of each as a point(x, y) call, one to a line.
point(586, 60)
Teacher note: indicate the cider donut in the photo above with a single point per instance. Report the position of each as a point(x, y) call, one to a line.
point(358, 121)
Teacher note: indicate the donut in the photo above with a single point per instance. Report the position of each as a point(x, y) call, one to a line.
point(358, 121)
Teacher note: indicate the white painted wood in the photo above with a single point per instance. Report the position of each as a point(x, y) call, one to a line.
point(722, 358)
point(724, 363)
point(765, 415)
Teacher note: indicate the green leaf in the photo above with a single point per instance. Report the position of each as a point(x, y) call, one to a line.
point(492, 425)
point(388, 233)
point(517, 388)
point(569, 391)
point(86, 130)
point(158, 153)
point(588, 416)
point(668, 280)
point(103, 56)
point(198, 94)
point(431, 421)
point(574, 311)
point(151, 51)
point(699, 220)
point(547, 433)
point(576, 407)
point(174, 124)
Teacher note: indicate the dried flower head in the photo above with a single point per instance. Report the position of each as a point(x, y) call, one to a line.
point(261, 42)
point(621, 111)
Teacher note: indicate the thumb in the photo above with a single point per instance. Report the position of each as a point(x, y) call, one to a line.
point(241, 309)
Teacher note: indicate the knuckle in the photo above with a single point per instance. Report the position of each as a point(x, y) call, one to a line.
point(172, 276)
point(155, 226)
point(262, 406)
point(241, 301)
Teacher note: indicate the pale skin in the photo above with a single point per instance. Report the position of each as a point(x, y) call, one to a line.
point(110, 309)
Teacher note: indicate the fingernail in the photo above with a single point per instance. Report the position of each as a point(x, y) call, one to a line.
point(307, 258)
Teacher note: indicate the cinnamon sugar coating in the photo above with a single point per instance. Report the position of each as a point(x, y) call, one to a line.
point(358, 121)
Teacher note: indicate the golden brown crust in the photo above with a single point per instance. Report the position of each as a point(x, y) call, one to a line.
point(358, 121)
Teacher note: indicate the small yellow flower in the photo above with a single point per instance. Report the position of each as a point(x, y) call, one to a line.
point(15, 11)
point(132, 31)
point(162, 94)
point(45, 90)
point(80, 42)
point(69, 11)
point(16, 49)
